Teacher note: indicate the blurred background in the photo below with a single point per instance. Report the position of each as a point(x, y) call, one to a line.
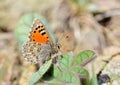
point(91, 24)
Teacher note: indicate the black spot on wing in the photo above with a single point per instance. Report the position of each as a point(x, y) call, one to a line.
point(43, 33)
point(39, 26)
point(41, 30)
point(36, 28)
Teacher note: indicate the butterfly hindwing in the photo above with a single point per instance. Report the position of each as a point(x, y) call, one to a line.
point(31, 51)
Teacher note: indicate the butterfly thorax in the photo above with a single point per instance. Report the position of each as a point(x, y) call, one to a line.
point(54, 48)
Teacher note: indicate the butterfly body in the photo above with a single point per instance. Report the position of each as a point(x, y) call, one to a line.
point(40, 46)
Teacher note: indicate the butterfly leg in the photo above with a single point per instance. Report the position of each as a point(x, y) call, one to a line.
point(56, 58)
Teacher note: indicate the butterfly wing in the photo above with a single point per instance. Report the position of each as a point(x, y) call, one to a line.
point(38, 47)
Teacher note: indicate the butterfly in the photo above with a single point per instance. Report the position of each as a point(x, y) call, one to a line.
point(40, 46)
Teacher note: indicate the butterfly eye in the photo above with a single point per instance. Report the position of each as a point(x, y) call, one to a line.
point(58, 45)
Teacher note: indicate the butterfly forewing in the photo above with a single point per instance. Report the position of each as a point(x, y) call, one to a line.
point(38, 32)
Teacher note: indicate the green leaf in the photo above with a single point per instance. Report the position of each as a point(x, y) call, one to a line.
point(23, 27)
point(83, 58)
point(82, 73)
point(65, 61)
point(38, 75)
point(63, 71)
point(57, 73)
point(70, 77)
